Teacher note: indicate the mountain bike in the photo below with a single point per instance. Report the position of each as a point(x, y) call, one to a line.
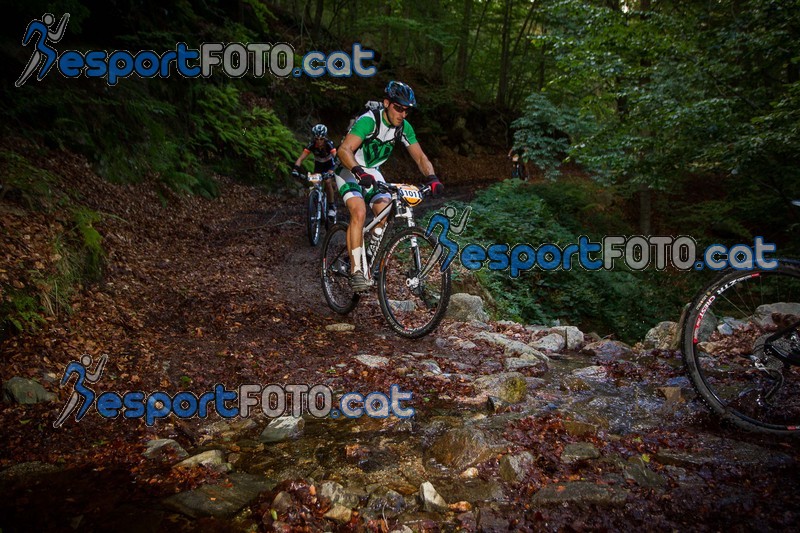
point(317, 210)
point(404, 264)
point(741, 347)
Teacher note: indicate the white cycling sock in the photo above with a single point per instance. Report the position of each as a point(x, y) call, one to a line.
point(360, 259)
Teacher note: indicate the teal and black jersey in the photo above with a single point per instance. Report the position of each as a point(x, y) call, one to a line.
point(378, 145)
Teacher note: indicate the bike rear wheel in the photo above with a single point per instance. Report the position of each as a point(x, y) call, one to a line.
point(314, 216)
point(335, 266)
point(741, 347)
point(412, 306)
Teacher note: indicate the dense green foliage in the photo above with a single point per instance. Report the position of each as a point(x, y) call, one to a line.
point(669, 97)
point(617, 302)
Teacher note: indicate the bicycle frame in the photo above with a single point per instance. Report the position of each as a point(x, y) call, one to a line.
point(398, 207)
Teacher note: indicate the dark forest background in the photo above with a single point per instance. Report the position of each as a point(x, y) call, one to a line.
point(652, 117)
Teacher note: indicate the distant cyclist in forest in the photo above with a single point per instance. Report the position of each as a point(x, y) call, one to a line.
point(518, 162)
point(368, 144)
point(324, 152)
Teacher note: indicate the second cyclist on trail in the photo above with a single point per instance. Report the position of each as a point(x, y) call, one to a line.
point(324, 151)
point(367, 146)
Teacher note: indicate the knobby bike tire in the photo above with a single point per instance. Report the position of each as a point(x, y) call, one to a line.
point(412, 312)
point(726, 325)
point(313, 221)
point(335, 270)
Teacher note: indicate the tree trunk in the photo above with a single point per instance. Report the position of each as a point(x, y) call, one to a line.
point(318, 17)
point(463, 44)
point(645, 208)
point(505, 53)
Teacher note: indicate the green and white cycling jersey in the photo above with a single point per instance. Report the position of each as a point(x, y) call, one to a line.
point(378, 146)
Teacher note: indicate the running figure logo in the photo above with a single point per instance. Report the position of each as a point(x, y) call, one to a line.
point(445, 242)
point(43, 56)
point(79, 389)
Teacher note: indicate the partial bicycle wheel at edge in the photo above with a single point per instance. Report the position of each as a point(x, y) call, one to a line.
point(412, 306)
point(741, 348)
point(335, 269)
point(314, 216)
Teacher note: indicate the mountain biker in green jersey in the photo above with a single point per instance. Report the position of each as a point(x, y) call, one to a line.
point(365, 148)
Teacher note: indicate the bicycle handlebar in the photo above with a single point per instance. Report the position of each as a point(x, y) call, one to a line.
point(389, 187)
point(328, 174)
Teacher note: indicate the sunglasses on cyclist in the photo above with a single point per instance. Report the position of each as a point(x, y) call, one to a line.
point(401, 109)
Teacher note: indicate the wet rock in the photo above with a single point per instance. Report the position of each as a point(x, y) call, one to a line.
point(455, 343)
point(573, 337)
point(765, 315)
point(469, 473)
point(580, 492)
point(579, 451)
point(479, 325)
point(211, 459)
point(220, 500)
point(429, 366)
point(512, 347)
point(339, 513)
point(26, 392)
point(579, 429)
point(340, 327)
point(27, 470)
point(430, 499)
point(555, 342)
point(607, 351)
point(162, 448)
point(282, 502)
point(465, 307)
point(510, 387)
point(467, 522)
point(229, 428)
point(282, 428)
point(495, 404)
point(684, 478)
point(515, 363)
point(664, 336)
point(717, 451)
point(336, 493)
point(402, 306)
point(491, 521)
point(673, 395)
point(574, 383)
point(591, 373)
point(387, 504)
point(637, 470)
point(473, 490)
point(514, 468)
point(372, 361)
point(461, 448)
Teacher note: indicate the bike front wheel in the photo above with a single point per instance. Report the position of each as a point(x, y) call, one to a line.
point(741, 348)
point(314, 216)
point(412, 304)
point(335, 268)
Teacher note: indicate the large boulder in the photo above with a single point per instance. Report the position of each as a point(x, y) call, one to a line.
point(664, 336)
point(461, 448)
point(25, 391)
point(465, 307)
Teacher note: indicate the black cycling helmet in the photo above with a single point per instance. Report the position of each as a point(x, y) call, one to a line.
point(401, 93)
point(319, 131)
